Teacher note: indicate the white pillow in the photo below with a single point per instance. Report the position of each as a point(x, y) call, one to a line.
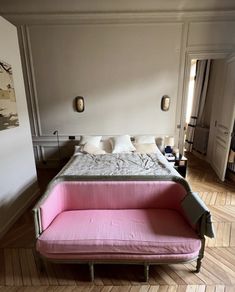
point(146, 148)
point(122, 144)
point(91, 149)
point(145, 139)
point(94, 140)
point(106, 145)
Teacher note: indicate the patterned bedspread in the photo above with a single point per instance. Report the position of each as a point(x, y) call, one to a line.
point(119, 164)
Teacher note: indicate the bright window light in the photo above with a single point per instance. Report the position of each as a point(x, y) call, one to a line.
point(191, 90)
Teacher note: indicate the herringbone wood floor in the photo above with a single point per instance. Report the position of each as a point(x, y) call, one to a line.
point(19, 270)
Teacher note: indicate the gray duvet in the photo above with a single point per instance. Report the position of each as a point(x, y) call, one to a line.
point(119, 164)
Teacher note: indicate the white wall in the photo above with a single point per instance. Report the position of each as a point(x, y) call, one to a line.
point(17, 166)
point(122, 62)
point(121, 70)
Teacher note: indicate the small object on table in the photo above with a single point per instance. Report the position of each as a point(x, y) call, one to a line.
point(180, 163)
point(168, 149)
point(170, 156)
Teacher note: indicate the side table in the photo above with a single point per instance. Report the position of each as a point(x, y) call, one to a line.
point(180, 164)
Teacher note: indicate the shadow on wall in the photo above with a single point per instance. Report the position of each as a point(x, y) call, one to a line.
point(12, 207)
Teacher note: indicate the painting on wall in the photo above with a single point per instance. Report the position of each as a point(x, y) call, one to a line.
point(8, 109)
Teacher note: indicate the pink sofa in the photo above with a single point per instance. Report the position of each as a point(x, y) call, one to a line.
point(116, 222)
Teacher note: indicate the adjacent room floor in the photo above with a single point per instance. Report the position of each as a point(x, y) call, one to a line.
point(19, 270)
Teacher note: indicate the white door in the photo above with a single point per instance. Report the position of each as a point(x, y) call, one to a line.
point(224, 122)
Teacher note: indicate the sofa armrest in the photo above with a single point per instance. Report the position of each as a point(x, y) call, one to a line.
point(50, 205)
point(37, 222)
point(197, 213)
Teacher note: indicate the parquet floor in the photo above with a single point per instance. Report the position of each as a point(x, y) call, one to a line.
point(19, 270)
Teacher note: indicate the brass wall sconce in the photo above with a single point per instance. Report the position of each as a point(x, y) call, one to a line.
point(79, 104)
point(165, 103)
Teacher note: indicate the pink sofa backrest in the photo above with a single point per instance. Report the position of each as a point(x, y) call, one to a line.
point(78, 195)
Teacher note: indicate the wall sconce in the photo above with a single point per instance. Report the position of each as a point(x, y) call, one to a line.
point(79, 104)
point(165, 103)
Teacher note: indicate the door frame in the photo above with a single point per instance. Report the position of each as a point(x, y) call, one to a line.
point(188, 57)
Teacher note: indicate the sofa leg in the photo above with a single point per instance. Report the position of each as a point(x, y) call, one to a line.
point(200, 256)
point(199, 263)
point(91, 268)
point(146, 272)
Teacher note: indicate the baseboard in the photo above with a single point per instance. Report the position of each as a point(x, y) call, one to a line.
point(19, 212)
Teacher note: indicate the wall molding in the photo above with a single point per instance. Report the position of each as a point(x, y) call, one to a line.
point(178, 124)
point(52, 138)
point(186, 18)
point(214, 49)
point(119, 17)
point(31, 84)
point(42, 143)
point(207, 54)
point(37, 135)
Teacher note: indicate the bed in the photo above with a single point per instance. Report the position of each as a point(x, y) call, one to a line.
point(122, 181)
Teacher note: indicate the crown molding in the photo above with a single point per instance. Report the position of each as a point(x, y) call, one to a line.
point(119, 17)
point(225, 49)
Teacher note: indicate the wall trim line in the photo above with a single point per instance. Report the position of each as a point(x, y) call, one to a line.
point(31, 85)
point(111, 17)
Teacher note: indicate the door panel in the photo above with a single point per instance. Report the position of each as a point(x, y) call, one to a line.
point(218, 153)
point(224, 122)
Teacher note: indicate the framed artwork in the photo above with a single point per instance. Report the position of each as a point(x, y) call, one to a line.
point(8, 108)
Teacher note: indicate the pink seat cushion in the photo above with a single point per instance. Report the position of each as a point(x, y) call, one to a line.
point(125, 231)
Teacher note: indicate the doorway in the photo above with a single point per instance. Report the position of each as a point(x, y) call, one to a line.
point(199, 104)
point(209, 119)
